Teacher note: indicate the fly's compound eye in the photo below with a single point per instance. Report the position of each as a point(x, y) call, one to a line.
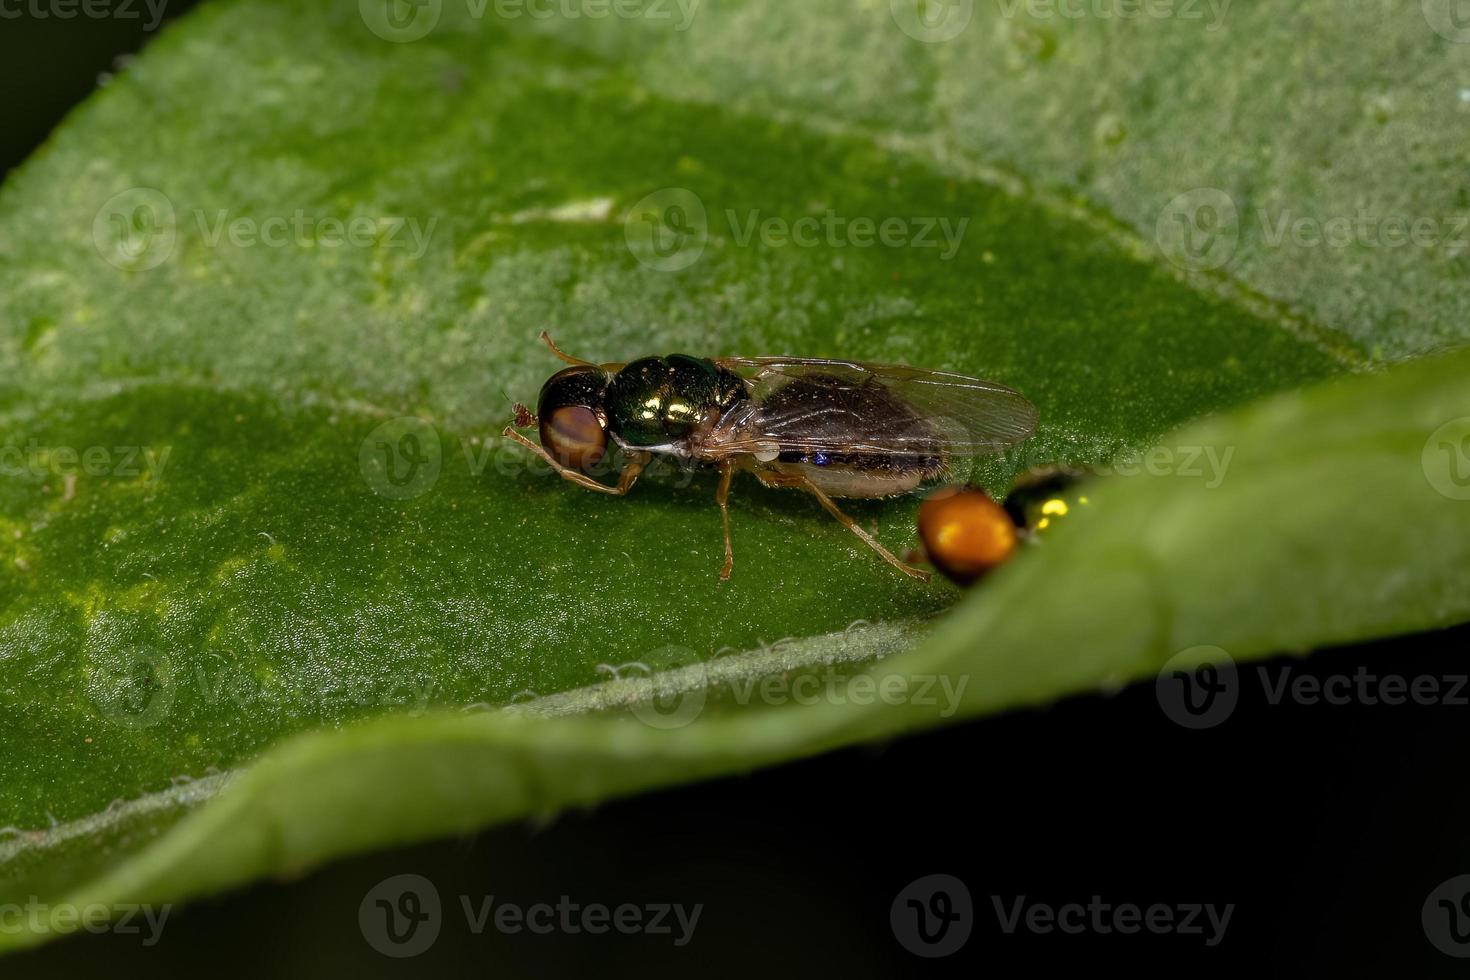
point(573, 426)
point(965, 533)
point(574, 435)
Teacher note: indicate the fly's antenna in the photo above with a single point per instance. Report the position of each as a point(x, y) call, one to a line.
point(546, 339)
point(524, 417)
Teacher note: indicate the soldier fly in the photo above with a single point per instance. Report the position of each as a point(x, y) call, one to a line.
point(831, 428)
point(966, 534)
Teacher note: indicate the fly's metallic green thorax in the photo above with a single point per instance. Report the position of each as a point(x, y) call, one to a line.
point(666, 401)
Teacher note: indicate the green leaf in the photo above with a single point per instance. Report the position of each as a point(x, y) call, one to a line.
point(1153, 567)
point(281, 261)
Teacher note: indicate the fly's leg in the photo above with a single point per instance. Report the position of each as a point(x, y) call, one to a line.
point(722, 497)
point(801, 482)
point(626, 479)
point(632, 469)
point(852, 526)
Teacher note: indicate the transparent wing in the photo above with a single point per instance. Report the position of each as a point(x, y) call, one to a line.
point(848, 408)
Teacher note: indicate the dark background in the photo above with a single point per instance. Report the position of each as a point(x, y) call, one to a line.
point(1326, 826)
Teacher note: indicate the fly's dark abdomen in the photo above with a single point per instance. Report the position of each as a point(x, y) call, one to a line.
point(831, 408)
point(665, 402)
point(929, 464)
